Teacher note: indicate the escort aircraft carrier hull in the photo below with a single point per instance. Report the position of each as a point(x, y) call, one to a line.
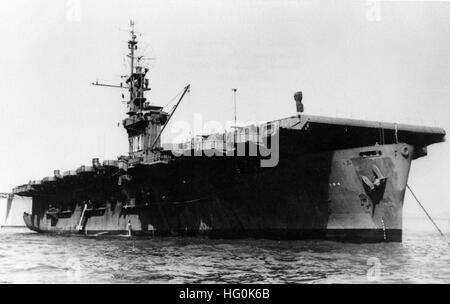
point(315, 196)
point(351, 194)
point(299, 177)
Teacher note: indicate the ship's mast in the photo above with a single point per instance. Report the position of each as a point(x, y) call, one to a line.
point(132, 45)
point(137, 83)
point(145, 122)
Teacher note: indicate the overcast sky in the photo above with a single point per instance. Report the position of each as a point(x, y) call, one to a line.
point(387, 61)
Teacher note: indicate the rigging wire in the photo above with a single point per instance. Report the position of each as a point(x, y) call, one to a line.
point(173, 98)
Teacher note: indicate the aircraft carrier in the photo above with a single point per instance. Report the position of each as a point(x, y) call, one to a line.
point(300, 177)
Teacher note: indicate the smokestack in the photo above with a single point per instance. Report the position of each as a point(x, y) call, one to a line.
point(298, 101)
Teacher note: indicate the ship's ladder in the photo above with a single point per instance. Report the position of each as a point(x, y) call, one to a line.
point(80, 224)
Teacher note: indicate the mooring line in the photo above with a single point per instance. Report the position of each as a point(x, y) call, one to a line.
point(435, 225)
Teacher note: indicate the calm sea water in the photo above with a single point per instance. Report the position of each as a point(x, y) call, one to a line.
point(27, 257)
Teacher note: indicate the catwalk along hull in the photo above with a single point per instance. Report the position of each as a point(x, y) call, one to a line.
point(351, 194)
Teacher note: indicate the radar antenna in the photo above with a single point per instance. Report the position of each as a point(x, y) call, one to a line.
point(145, 122)
point(136, 83)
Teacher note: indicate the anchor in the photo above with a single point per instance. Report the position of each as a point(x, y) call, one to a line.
point(375, 189)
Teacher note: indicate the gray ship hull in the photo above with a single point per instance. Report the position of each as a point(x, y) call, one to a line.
point(348, 195)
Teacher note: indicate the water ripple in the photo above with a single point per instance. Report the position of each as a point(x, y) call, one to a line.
point(27, 257)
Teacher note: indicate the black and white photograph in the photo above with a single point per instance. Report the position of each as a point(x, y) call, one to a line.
point(249, 143)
